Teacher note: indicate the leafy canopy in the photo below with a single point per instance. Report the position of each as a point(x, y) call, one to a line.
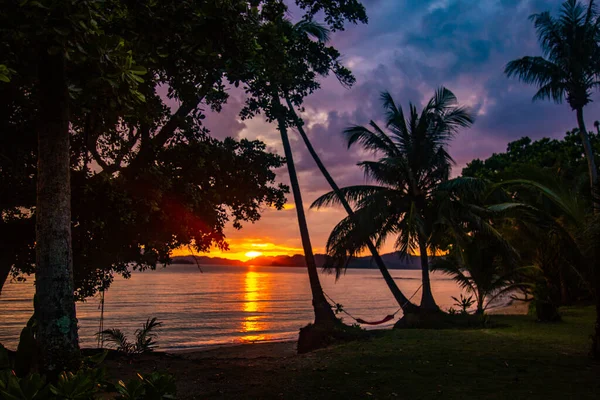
point(145, 178)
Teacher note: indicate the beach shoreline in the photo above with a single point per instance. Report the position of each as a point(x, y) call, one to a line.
point(286, 348)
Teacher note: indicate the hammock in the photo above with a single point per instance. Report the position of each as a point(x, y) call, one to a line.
point(362, 321)
point(383, 321)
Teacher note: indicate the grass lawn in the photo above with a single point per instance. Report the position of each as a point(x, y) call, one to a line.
point(523, 359)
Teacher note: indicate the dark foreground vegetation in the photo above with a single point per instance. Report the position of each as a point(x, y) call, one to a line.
point(519, 358)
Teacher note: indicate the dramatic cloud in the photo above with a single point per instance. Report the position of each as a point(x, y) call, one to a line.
point(410, 48)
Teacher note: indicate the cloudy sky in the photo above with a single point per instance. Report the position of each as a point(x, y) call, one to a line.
point(409, 47)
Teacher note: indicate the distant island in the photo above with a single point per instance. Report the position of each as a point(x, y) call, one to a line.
point(392, 261)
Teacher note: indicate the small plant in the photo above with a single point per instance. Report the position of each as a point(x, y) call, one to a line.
point(338, 308)
point(155, 386)
point(87, 383)
point(464, 303)
point(144, 338)
point(81, 385)
point(32, 387)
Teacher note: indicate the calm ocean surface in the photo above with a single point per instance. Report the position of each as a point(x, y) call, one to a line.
point(223, 305)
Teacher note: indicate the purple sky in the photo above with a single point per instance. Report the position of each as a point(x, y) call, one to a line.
point(409, 48)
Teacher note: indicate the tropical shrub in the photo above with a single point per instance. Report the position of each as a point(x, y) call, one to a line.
point(86, 383)
point(464, 303)
point(482, 266)
point(155, 386)
point(144, 338)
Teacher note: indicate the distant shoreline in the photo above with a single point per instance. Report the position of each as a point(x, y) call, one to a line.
point(392, 261)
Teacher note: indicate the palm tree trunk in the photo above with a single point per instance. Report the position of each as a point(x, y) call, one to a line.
point(403, 301)
point(596, 335)
point(564, 292)
point(480, 299)
point(587, 148)
point(323, 313)
point(55, 303)
point(427, 301)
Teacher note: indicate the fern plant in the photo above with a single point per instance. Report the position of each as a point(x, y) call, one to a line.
point(144, 338)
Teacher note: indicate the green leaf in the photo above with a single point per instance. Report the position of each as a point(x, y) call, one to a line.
point(138, 70)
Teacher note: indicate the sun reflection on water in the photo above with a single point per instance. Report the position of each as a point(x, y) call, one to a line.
point(256, 291)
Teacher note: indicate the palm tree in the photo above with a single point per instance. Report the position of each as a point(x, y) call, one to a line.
point(482, 266)
point(413, 162)
point(323, 312)
point(570, 63)
point(403, 301)
point(324, 315)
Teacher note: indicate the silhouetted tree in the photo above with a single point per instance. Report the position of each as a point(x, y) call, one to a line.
point(569, 66)
point(413, 162)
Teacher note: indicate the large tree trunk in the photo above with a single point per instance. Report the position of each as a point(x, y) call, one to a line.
point(402, 300)
point(55, 303)
point(4, 271)
point(587, 148)
point(427, 301)
point(324, 315)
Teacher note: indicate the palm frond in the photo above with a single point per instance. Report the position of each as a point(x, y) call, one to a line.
point(314, 29)
point(442, 100)
point(374, 140)
point(564, 201)
point(352, 194)
point(118, 338)
point(145, 336)
point(540, 72)
point(465, 187)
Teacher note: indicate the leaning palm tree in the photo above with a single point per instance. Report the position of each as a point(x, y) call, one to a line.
point(413, 162)
point(287, 64)
point(323, 312)
point(404, 303)
point(570, 63)
point(298, 33)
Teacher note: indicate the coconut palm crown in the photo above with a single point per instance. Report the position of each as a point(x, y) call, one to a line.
point(569, 66)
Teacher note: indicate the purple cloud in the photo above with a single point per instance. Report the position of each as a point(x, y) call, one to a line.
point(410, 48)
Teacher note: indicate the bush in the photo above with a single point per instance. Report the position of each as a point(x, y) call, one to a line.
point(84, 384)
point(144, 338)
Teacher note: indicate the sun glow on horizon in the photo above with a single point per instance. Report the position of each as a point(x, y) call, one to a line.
point(253, 254)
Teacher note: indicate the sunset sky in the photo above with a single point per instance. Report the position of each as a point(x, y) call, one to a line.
point(409, 48)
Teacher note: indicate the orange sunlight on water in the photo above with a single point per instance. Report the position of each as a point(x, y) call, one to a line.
point(256, 293)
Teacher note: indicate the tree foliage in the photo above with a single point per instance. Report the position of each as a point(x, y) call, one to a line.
point(130, 151)
point(562, 157)
point(483, 266)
